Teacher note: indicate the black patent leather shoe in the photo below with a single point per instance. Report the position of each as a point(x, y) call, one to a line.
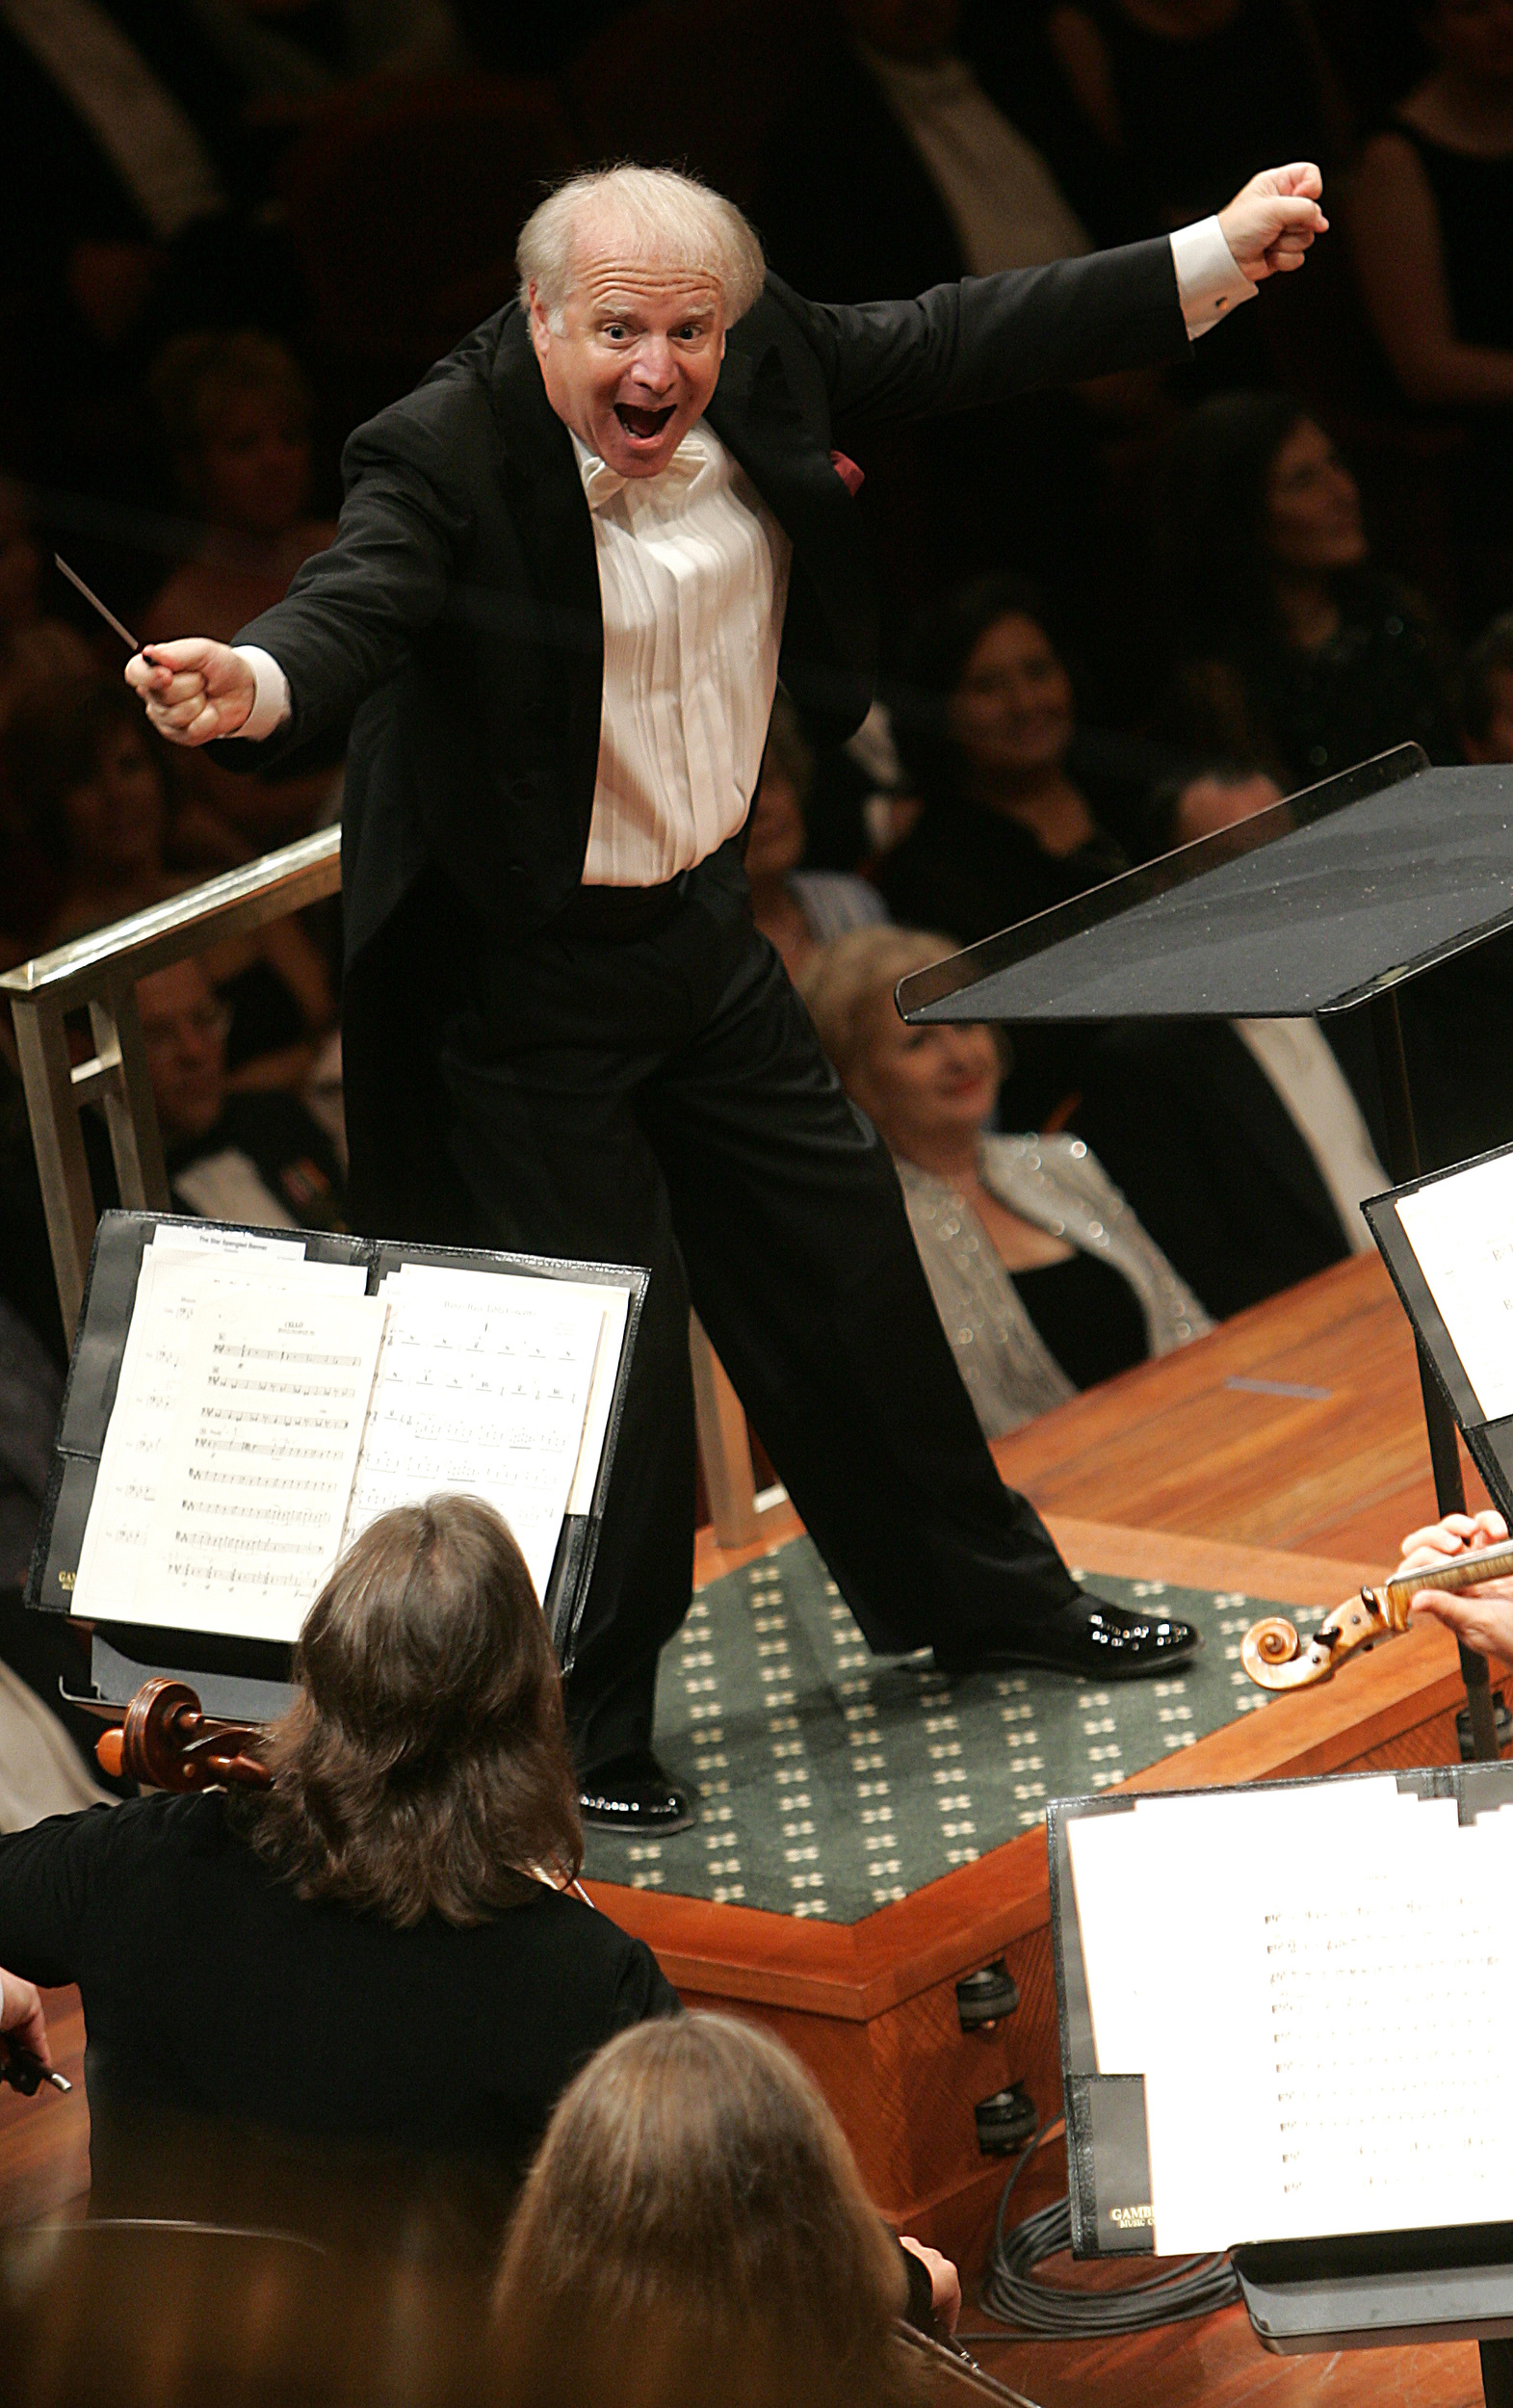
point(632, 1793)
point(1103, 1642)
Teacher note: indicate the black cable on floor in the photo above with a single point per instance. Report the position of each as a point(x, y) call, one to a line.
point(1193, 2287)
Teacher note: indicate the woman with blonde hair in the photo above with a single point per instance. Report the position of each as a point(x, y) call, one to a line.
point(1044, 1279)
point(380, 1947)
point(694, 2233)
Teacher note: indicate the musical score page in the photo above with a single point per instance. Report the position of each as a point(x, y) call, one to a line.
point(1461, 1231)
point(257, 1471)
point(1316, 1986)
point(485, 1384)
point(177, 1269)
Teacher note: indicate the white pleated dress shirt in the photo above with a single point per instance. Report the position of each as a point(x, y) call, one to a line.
point(693, 580)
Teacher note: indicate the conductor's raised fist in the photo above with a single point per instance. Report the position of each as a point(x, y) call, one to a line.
point(1270, 222)
point(194, 688)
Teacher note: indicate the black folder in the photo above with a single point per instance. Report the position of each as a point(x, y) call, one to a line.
point(235, 1675)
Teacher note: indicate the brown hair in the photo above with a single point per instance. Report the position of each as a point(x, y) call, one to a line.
point(694, 2231)
point(424, 1766)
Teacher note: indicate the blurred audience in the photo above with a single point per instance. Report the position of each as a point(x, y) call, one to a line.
point(1008, 824)
point(796, 908)
point(34, 650)
point(695, 2229)
point(370, 1975)
point(1219, 795)
point(85, 784)
point(1486, 693)
point(1044, 1279)
point(1431, 220)
point(259, 1155)
point(235, 414)
point(1294, 649)
point(901, 162)
point(1187, 95)
point(986, 729)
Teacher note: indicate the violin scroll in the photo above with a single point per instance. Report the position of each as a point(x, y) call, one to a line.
point(168, 1742)
point(1276, 1658)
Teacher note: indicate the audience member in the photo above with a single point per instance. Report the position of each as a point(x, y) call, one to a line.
point(1044, 1279)
point(35, 650)
point(986, 730)
point(235, 412)
point(1294, 649)
point(1486, 693)
point(796, 908)
point(85, 780)
point(901, 164)
point(257, 1156)
point(1198, 805)
point(376, 1950)
point(695, 2232)
point(1431, 220)
point(1181, 91)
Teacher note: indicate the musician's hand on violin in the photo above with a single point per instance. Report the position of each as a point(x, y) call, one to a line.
point(21, 2017)
point(944, 2280)
point(194, 689)
point(1484, 1617)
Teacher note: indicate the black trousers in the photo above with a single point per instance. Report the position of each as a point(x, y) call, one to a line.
point(655, 1094)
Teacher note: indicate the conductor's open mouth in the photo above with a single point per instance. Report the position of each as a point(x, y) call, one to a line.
point(643, 423)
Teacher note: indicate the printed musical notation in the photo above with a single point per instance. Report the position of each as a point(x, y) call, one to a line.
point(485, 1386)
point(268, 1409)
point(258, 1469)
point(1324, 2044)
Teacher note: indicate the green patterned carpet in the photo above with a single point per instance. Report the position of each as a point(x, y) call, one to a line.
point(831, 1781)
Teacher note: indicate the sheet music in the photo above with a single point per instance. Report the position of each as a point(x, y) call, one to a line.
point(1461, 1231)
point(1324, 2041)
point(255, 1478)
point(484, 1385)
point(179, 1267)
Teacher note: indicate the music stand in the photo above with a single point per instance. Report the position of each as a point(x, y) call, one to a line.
point(1328, 899)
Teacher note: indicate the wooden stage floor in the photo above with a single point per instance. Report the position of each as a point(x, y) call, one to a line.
point(1286, 1455)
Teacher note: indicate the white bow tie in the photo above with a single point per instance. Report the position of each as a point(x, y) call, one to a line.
point(601, 482)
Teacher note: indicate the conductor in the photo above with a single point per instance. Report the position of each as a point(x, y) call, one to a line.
point(570, 570)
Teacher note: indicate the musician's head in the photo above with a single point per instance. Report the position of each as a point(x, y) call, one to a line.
point(424, 1766)
point(695, 2229)
point(631, 276)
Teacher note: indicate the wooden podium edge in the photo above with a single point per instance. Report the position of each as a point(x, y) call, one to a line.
point(855, 1972)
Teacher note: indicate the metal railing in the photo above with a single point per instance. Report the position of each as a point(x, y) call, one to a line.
point(99, 972)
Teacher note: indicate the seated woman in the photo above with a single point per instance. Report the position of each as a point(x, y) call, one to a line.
point(379, 1950)
point(1431, 215)
point(1292, 649)
point(1045, 1281)
point(695, 2229)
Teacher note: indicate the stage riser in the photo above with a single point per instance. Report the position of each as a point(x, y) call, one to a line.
point(903, 2083)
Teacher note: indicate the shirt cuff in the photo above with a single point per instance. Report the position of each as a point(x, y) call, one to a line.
point(271, 705)
point(1209, 284)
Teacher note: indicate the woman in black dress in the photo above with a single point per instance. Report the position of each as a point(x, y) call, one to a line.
point(353, 1998)
point(1293, 651)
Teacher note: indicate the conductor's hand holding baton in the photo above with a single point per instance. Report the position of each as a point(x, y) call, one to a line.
point(195, 688)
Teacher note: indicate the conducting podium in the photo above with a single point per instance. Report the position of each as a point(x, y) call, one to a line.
point(1326, 902)
point(243, 1402)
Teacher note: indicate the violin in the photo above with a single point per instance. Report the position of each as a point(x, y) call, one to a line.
point(1276, 1657)
point(167, 1740)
